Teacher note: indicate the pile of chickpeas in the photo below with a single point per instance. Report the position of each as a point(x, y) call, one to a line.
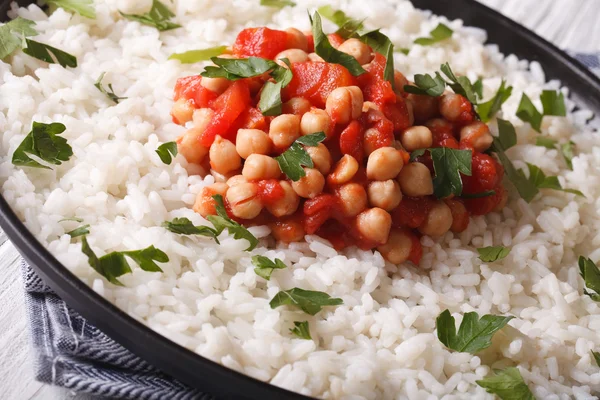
point(240, 166)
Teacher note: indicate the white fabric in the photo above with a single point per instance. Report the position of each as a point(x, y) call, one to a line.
point(570, 24)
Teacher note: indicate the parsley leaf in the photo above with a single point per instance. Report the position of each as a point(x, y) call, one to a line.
point(506, 139)
point(114, 265)
point(11, 35)
point(439, 33)
point(492, 253)
point(448, 164)
point(403, 50)
point(295, 157)
point(553, 103)
point(110, 93)
point(76, 219)
point(487, 193)
point(567, 151)
point(478, 88)
point(167, 151)
point(270, 103)
point(265, 267)
point(426, 85)
point(507, 384)
point(81, 7)
point(43, 142)
point(82, 230)
point(301, 330)
point(545, 142)
point(221, 221)
point(596, 356)
point(489, 109)
point(277, 3)
point(193, 56)
point(541, 181)
point(348, 27)
point(461, 85)
point(311, 302)
point(383, 45)
point(183, 226)
point(158, 17)
point(329, 53)
point(44, 52)
point(474, 333)
point(591, 276)
point(238, 68)
point(528, 113)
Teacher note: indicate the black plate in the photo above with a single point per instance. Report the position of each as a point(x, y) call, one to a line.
point(207, 375)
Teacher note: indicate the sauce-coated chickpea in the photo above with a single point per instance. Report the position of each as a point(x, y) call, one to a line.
point(370, 140)
point(236, 180)
point(188, 145)
point(352, 199)
point(296, 39)
point(398, 247)
point(399, 82)
point(288, 231)
point(415, 180)
point(477, 135)
point(357, 49)
point(438, 221)
point(345, 104)
point(202, 117)
point(205, 204)
point(321, 157)
point(374, 224)
point(410, 109)
point(384, 163)
point(244, 201)
point(293, 55)
point(424, 107)
point(288, 204)
point(450, 106)
point(259, 167)
point(344, 170)
point(217, 85)
point(416, 137)
point(284, 130)
point(252, 141)
point(384, 194)
point(223, 156)
point(316, 120)
point(310, 185)
point(460, 215)
point(297, 106)
point(182, 111)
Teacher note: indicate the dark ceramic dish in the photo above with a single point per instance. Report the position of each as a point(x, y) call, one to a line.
point(209, 376)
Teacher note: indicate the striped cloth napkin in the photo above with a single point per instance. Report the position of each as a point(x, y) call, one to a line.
point(74, 354)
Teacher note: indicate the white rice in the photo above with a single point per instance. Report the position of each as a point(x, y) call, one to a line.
point(381, 343)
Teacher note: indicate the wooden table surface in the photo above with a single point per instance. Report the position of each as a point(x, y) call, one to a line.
point(571, 24)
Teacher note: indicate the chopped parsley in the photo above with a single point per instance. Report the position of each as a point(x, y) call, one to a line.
point(490, 108)
point(427, 85)
point(183, 226)
point(507, 384)
point(277, 3)
point(238, 68)
point(438, 34)
point(541, 181)
point(159, 17)
point(12, 35)
point(591, 276)
point(301, 330)
point(221, 221)
point(81, 231)
point(193, 56)
point(553, 103)
point(270, 103)
point(381, 44)
point(49, 54)
point(110, 93)
point(81, 7)
point(309, 301)
point(348, 27)
point(448, 164)
point(264, 267)
point(493, 253)
point(528, 113)
point(292, 161)
point(44, 143)
point(167, 151)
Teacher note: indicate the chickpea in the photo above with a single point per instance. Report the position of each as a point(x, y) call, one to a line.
point(370, 140)
point(344, 170)
point(451, 106)
point(316, 120)
point(321, 157)
point(460, 215)
point(477, 135)
point(411, 112)
point(182, 111)
point(296, 39)
point(288, 204)
point(293, 55)
point(399, 82)
point(356, 49)
point(384, 194)
point(224, 177)
point(384, 163)
point(259, 167)
point(416, 137)
point(202, 117)
point(369, 105)
point(297, 106)
point(236, 180)
point(424, 107)
point(310, 185)
point(415, 180)
point(252, 141)
point(205, 204)
point(217, 85)
point(438, 221)
point(374, 225)
point(223, 156)
point(398, 246)
point(344, 104)
point(288, 231)
point(189, 146)
point(284, 130)
point(244, 201)
point(352, 199)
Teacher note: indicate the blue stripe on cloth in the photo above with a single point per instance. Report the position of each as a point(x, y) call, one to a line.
point(74, 354)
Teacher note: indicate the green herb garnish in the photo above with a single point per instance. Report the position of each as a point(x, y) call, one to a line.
point(311, 302)
point(110, 93)
point(238, 68)
point(81, 7)
point(158, 17)
point(265, 267)
point(507, 384)
point(489, 109)
point(591, 276)
point(277, 3)
point(427, 85)
point(12, 34)
point(183, 226)
point(383, 45)
point(478, 88)
point(545, 142)
point(348, 27)
point(439, 33)
point(474, 333)
point(493, 253)
point(221, 221)
point(301, 330)
point(270, 103)
point(461, 84)
point(81, 231)
point(596, 356)
point(541, 181)
point(528, 113)
point(448, 164)
point(43, 142)
point(193, 56)
point(296, 157)
point(553, 103)
point(567, 151)
point(49, 54)
point(167, 151)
